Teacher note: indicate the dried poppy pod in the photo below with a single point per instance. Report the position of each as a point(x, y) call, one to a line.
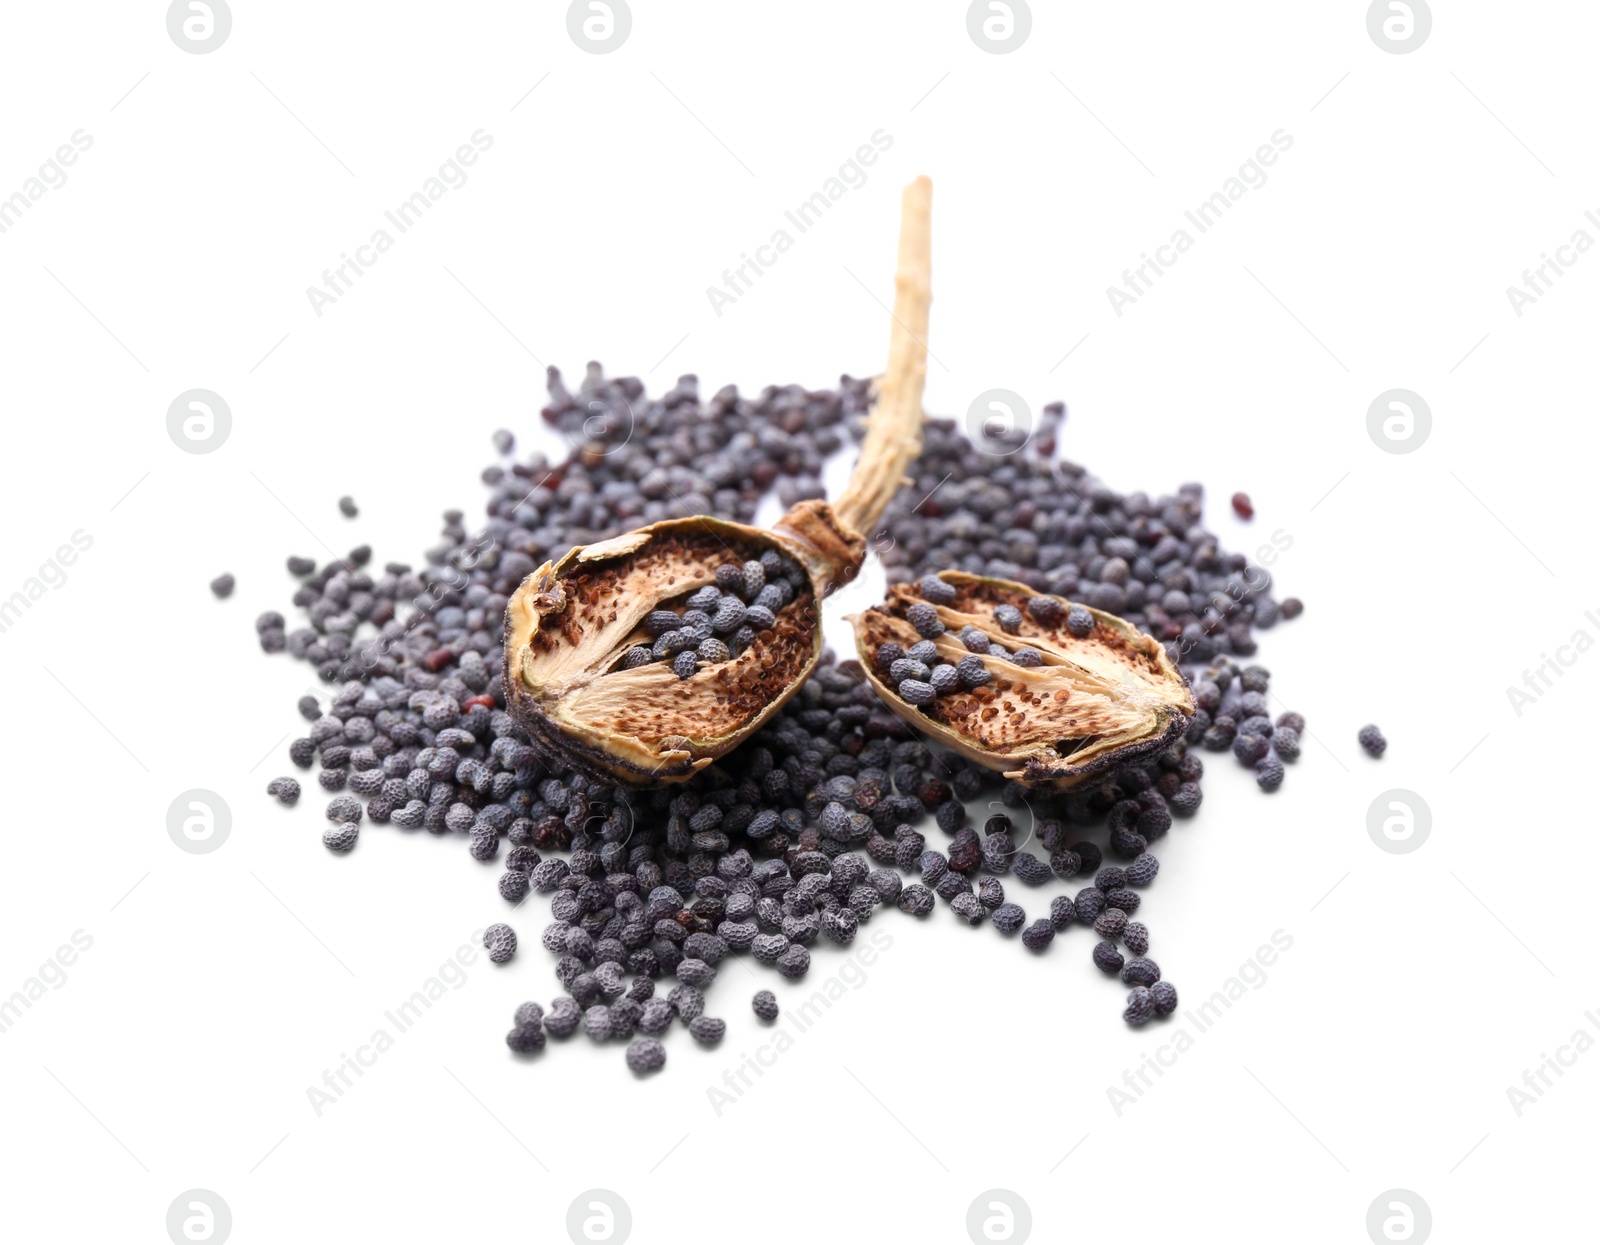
point(591, 675)
point(1087, 705)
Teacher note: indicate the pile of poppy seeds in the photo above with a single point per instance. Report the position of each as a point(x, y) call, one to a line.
point(835, 811)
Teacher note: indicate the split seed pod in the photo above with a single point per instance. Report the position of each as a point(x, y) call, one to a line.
point(1092, 704)
point(573, 621)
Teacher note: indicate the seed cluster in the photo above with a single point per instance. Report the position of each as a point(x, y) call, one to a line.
point(820, 824)
point(1231, 712)
point(919, 675)
point(718, 622)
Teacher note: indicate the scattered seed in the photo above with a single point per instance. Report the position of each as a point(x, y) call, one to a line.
point(707, 1031)
point(285, 790)
point(341, 838)
point(1038, 936)
point(1008, 918)
point(1047, 611)
point(646, 1055)
point(926, 620)
point(1141, 972)
point(1269, 773)
point(972, 672)
point(501, 940)
point(525, 1039)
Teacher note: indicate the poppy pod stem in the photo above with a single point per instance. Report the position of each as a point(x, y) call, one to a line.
point(894, 431)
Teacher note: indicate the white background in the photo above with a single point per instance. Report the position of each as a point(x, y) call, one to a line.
point(1379, 1051)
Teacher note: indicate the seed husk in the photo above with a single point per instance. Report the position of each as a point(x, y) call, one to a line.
point(570, 625)
point(1089, 705)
